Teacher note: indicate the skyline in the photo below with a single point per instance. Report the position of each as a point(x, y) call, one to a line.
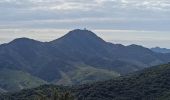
point(132, 37)
point(127, 22)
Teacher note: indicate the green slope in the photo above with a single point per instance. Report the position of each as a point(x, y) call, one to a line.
point(85, 74)
point(13, 80)
point(149, 84)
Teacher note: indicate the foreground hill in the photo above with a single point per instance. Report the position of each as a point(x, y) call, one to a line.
point(46, 92)
point(150, 84)
point(78, 57)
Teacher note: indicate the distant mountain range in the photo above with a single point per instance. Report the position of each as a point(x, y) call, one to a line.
point(160, 50)
point(149, 84)
point(78, 57)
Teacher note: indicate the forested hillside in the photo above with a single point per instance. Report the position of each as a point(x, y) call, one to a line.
point(150, 84)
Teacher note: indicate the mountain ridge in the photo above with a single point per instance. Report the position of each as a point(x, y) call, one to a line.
point(86, 52)
point(160, 50)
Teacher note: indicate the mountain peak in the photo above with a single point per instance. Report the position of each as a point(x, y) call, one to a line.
point(81, 33)
point(23, 41)
point(80, 36)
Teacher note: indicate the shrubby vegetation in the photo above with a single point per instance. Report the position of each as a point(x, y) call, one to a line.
point(46, 92)
point(149, 84)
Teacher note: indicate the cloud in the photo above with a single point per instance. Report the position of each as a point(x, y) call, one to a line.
point(112, 14)
point(85, 4)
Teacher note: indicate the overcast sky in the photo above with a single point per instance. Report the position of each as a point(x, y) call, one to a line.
point(143, 22)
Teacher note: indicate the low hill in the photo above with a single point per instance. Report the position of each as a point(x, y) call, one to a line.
point(85, 74)
point(150, 84)
point(13, 80)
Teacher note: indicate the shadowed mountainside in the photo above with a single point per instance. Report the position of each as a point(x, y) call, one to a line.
point(78, 57)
